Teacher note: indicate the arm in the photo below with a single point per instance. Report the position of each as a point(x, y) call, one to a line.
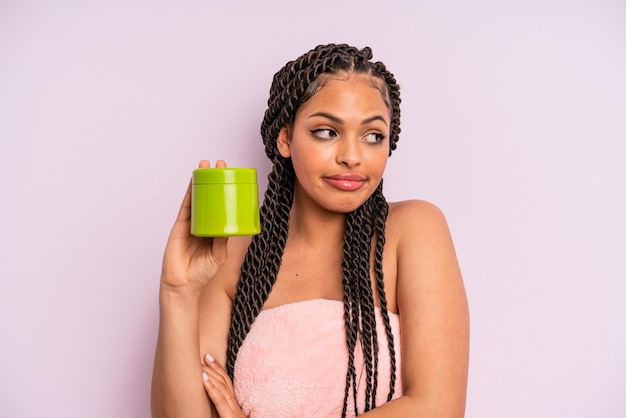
point(215, 319)
point(434, 317)
point(176, 382)
point(189, 264)
point(195, 346)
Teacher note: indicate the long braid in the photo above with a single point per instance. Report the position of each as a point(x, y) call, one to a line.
point(356, 266)
point(379, 231)
point(293, 85)
point(351, 334)
point(263, 258)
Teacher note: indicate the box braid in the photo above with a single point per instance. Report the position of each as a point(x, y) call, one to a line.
point(293, 85)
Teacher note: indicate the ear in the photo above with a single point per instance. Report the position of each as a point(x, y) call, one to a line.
point(282, 142)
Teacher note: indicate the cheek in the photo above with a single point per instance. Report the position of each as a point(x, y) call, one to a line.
point(303, 163)
point(379, 162)
point(310, 157)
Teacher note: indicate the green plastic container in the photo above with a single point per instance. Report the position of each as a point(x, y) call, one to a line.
point(224, 202)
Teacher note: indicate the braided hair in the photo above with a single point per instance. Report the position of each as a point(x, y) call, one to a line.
point(293, 85)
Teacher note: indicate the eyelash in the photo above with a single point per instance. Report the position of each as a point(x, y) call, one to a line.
point(316, 133)
point(379, 138)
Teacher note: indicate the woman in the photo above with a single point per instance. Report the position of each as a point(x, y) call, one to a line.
point(343, 304)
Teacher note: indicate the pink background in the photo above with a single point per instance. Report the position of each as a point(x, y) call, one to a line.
point(514, 123)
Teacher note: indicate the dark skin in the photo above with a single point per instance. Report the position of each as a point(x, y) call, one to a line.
point(339, 146)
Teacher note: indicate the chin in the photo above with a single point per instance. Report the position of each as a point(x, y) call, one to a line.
point(345, 208)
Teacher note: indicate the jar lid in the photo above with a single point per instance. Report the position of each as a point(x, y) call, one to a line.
point(221, 175)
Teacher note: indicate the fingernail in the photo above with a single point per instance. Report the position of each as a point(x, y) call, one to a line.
point(205, 376)
point(209, 358)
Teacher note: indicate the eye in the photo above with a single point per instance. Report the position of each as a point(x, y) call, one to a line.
point(373, 137)
point(324, 133)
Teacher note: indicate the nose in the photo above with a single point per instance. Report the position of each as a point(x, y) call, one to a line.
point(349, 152)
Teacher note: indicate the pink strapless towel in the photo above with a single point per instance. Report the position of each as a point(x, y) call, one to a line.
point(294, 360)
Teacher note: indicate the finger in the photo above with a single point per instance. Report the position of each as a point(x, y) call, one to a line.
point(226, 407)
point(213, 376)
point(220, 163)
point(218, 394)
point(216, 370)
point(208, 359)
point(222, 397)
point(184, 213)
point(214, 367)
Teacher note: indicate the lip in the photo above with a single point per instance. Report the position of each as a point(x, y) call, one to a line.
point(346, 181)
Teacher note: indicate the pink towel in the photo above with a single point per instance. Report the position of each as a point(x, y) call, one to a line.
point(293, 362)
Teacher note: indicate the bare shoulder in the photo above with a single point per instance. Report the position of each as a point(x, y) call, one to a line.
point(414, 207)
point(414, 219)
point(423, 246)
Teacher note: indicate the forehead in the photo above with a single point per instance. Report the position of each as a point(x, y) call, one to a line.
point(350, 92)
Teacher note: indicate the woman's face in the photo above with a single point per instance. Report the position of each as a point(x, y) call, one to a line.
point(339, 143)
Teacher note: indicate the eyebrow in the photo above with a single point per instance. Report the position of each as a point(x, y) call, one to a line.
point(340, 121)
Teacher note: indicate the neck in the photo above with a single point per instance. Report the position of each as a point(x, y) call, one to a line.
point(314, 224)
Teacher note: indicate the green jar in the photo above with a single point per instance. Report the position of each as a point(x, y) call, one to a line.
point(224, 202)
